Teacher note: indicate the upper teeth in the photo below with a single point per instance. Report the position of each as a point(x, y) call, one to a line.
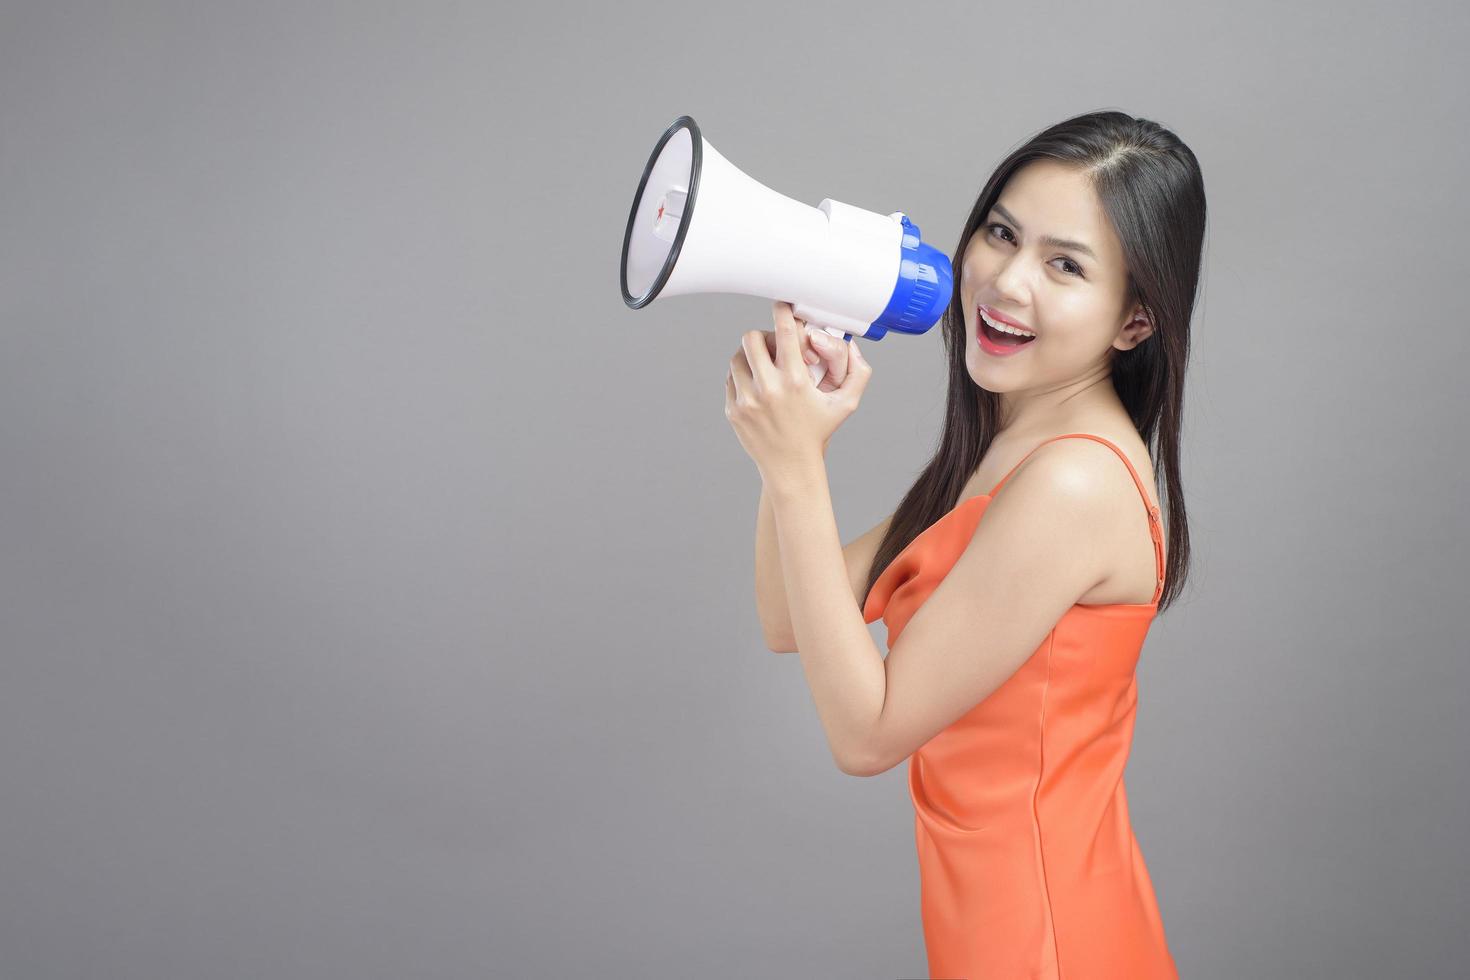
point(1005, 328)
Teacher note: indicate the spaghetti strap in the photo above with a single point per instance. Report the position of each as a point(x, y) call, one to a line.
point(1154, 529)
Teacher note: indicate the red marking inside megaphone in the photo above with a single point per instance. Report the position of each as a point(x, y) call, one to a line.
point(670, 213)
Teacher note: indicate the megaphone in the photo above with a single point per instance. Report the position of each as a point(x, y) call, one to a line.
point(700, 225)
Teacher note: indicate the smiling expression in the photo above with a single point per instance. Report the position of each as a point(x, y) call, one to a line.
point(1046, 257)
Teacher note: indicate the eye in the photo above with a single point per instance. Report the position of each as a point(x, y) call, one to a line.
point(1061, 258)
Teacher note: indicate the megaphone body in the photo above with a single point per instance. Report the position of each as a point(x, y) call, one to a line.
point(700, 225)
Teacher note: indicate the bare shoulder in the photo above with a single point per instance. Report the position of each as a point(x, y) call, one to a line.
point(1087, 474)
point(1089, 465)
point(1093, 494)
point(1042, 545)
point(1073, 478)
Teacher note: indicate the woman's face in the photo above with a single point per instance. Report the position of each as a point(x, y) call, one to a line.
point(1071, 296)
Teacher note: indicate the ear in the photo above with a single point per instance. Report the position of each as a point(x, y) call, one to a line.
point(1138, 329)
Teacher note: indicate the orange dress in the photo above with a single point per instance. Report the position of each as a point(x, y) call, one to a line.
point(1028, 867)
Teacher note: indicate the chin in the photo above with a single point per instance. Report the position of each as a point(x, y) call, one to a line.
point(978, 367)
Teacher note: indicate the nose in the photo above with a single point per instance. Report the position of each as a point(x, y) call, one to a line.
point(1010, 282)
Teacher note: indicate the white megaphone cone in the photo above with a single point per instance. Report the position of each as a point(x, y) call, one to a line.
point(700, 225)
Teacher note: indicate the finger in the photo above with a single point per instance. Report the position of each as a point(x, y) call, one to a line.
point(834, 354)
point(757, 358)
point(806, 335)
point(770, 338)
point(804, 331)
point(858, 372)
point(740, 373)
point(788, 341)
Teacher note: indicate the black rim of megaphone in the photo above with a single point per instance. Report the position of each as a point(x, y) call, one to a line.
point(695, 163)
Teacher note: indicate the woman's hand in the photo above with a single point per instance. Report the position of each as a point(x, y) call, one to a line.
point(819, 346)
point(780, 417)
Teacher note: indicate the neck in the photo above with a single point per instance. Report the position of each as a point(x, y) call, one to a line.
point(1025, 413)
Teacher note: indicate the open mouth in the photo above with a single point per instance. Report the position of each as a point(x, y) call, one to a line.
point(999, 337)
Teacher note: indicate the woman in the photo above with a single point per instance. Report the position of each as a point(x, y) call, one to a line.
point(1013, 640)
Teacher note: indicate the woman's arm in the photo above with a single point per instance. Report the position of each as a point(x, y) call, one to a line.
point(770, 589)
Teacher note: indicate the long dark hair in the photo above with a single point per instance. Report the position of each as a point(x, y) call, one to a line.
point(1150, 187)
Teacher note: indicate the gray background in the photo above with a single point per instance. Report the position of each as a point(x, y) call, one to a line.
point(376, 595)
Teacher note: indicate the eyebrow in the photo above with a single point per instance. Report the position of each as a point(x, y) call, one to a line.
point(1048, 239)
